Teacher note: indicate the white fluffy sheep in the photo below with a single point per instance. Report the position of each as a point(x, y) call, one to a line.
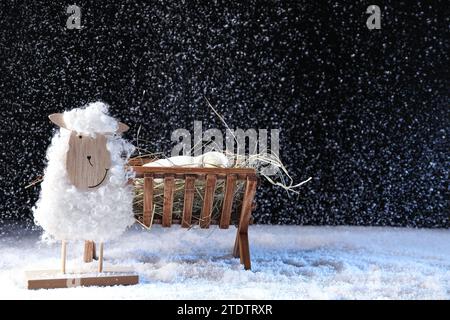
point(66, 210)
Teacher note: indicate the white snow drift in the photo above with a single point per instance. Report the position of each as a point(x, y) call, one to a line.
point(288, 262)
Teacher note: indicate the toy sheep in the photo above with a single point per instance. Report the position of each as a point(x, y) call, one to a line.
point(85, 195)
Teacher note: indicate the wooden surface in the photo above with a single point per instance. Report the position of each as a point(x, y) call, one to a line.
point(88, 161)
point(244, 250)
point(121, 128)
point(89, 251)
point(52, 279)
point(140, 161)
point(100, 258)
point(189, 189)
point(211, 175)
point(58, 119)
point(241, 246)
point(236, 253)
point(230, 186)
point(159, 172)
point(148, 200)
point(63, 256)
point(247, 203)
point(169, 183)
point(208, 201)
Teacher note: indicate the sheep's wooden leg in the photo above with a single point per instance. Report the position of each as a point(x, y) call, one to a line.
point(63, 256)
point(100, 258)
point(89, 251)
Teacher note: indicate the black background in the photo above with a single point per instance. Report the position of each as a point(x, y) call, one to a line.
point(363, 112)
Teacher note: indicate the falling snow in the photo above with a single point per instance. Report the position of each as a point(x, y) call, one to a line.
point(363, 112)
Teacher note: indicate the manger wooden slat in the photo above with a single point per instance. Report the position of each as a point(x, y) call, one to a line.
point(148, 200)
point(169, 182)
point(176, 176)
point(230, 185)
point(242, 176)
point(189, 189)
point(139, 161)
point(208, 200)
point(178, 221)
point(89, 251)
point(222, 172)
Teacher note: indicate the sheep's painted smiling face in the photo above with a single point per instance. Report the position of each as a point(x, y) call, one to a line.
point(88, 161)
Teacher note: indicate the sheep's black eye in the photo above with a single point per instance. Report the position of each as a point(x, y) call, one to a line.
point(81, 137)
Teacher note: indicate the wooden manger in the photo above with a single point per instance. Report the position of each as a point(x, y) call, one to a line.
point(210, 177)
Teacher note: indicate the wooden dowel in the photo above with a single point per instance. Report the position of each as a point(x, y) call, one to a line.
point(228, 201)
point(88, 251)
point(100, 258)
point(148, 201)
point(189, 189)
point(208, 201)
point(63, 256)
point(169, 183)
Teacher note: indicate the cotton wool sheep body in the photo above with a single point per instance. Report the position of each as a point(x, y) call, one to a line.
point(85, 194)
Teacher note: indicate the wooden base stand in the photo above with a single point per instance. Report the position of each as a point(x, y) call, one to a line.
point(52, 279)
point(87, 276)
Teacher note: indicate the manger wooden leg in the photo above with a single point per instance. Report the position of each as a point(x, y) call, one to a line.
point(63, 256)
point(244, 250)
point(94, 253)
point(89, 251)
point(241, 246)
point(100, 258)
point(236, 246)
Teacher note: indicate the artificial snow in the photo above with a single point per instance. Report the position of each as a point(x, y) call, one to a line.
point(91, 119)
point(288, 262)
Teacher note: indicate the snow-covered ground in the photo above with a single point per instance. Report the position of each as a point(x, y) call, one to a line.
point(288, 262)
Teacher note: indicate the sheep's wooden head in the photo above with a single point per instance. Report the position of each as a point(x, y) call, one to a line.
point(88, 159)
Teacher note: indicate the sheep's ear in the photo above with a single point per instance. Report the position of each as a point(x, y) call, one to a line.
point(58, 119)
point(122, 127)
